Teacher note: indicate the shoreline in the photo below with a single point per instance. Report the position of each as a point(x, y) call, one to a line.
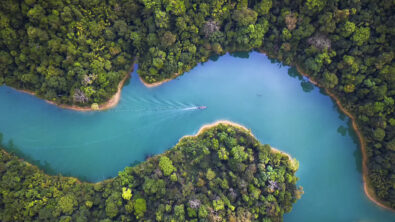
point(76, 179)
point(234, 124)
point(369, 191)
point(201, 130)
point(155, 84)
point(111, 103)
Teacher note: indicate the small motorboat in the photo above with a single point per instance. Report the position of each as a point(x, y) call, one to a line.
point(202, 107)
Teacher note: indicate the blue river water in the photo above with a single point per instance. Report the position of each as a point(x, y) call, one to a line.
point(281, 108)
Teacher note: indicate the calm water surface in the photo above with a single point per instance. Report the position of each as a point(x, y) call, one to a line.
point(284, 111)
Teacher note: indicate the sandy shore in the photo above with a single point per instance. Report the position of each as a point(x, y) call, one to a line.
point(227, 122)
point(155, 84)
point(111, 103)
point(369, 191)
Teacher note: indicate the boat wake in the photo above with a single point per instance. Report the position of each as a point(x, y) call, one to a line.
point(195, 108)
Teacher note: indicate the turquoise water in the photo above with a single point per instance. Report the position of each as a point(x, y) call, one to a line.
point(286, 112)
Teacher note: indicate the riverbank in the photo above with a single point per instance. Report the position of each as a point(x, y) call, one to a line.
point(369, 191)
point(111, 103)
point(155, 84)
point(236, 125)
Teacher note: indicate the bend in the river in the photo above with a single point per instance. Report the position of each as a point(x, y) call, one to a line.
point(285, 112)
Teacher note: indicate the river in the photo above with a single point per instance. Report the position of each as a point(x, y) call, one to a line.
point(281, 108)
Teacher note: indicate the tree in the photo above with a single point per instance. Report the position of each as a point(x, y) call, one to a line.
point(168, 39)
point(239, 154)
point(245, 16)
point(210, 175)
point(379, 134)
point(361, 35)
point(315, 5)
point(140, 207)
point(67, 203)
point(263, 7)
point(330, 80)
point(179, 212)
point(347, 29)
point(126, 193)
point(166, 165)
point(161, 19)
point(223, 154)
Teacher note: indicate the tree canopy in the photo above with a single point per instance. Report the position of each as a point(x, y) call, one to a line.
point(77, 51)
point(258, 187)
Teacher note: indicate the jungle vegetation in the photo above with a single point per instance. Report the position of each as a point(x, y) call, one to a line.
point(223, 173)
point(77, 51)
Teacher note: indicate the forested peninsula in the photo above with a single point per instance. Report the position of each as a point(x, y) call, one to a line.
point(77, 51)
point(222, 173)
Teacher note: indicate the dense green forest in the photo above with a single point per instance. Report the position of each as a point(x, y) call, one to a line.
point(77, 51)
point(224, 173)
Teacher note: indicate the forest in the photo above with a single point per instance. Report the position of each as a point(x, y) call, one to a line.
point(223, 173)
point(77, 51)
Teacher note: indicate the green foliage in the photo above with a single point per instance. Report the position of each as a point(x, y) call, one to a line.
point(153, 186)
point(166, 165)
point(347, 29)
point(140, 207)
point(126, 193)
point(173, 177)
point(67, 203)
point(210, 174)
point(203, 213)
point(218, 205)
point(70, 41)
point(155, 197)
point(361, 35)
point(315, 5)
point(330, 80)
point(179, 212)
point(239, 154)
point(77, 52)
point(245, 16)
point(111, 209)
point(379, 134)
point(263, 7)
point(223, 154)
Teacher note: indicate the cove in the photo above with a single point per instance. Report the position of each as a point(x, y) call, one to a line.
point(287, 112)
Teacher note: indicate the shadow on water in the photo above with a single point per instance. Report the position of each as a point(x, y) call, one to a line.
point(292, 72)
point(135, 163)
point(307, 86)
point(344, 130)
point(214, 57)
point(11, 148)
point(243, 55)
point(357, 153)
point(127, 81)
point(358, 159)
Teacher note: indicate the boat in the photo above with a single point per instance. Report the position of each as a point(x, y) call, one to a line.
point(202, 107)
